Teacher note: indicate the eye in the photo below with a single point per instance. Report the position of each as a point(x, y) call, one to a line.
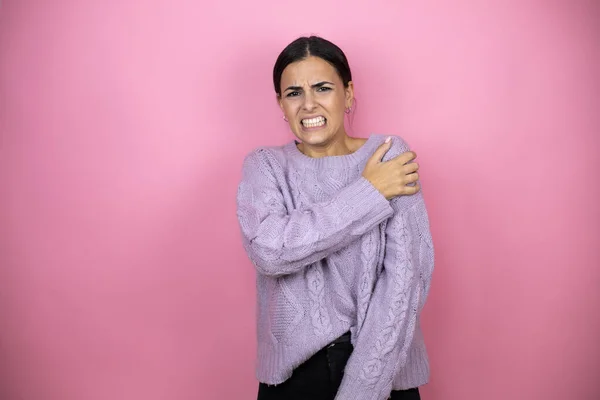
point(323, 89)
point(292, 94)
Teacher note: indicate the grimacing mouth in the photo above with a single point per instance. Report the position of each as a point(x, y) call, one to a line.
point(314, 122)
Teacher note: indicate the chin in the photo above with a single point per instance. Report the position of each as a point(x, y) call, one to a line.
point(315, 138)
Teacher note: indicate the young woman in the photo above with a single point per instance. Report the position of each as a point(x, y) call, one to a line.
point(337, 229)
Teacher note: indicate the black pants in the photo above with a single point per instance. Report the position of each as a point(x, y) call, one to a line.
point(319, 378)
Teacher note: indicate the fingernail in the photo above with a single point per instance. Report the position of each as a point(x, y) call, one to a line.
point(388, 139)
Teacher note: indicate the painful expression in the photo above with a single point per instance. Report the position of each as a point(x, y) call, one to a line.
point(314, 100)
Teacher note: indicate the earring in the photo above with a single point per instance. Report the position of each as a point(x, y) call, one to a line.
point(285, 119)
point(348, 110)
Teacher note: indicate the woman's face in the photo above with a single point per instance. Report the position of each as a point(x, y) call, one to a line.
point(314, 99)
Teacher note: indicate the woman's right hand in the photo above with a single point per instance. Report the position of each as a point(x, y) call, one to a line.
point(392, 178)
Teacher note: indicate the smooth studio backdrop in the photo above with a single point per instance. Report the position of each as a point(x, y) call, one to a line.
point(123, 125)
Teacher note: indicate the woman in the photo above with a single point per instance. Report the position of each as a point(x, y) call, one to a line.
point(338, 232)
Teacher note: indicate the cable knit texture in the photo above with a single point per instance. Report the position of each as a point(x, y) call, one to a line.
point(332, 255)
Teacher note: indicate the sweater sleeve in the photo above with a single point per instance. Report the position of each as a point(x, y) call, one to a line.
point(382, 346)
point(280, 240)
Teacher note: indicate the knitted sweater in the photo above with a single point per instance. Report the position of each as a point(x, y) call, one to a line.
point(333, 255)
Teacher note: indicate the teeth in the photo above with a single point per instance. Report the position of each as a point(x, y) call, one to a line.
point(313, 122)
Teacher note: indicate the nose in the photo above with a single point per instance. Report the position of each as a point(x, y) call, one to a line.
point(309, 101)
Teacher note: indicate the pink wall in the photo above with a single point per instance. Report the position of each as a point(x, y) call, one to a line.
point(122, 130)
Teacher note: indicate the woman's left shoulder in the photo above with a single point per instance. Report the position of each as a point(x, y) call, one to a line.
point(399, 145)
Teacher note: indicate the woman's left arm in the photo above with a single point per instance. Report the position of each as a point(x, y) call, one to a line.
point(382, 345)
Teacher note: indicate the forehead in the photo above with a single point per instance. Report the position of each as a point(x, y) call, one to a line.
point(310, 70)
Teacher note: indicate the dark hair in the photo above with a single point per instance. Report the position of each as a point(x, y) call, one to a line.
point(304, 47)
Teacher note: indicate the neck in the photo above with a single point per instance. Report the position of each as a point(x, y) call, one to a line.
point(340, 145)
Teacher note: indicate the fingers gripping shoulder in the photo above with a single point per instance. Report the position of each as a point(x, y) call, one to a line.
point(398, 147)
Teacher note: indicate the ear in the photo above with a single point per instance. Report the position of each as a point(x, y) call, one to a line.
point(349, 91)
point(279, 101)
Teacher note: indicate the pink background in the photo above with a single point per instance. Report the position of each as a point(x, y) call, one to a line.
point(122, 130)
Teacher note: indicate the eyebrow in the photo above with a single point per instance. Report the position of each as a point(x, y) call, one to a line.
point(316, 85)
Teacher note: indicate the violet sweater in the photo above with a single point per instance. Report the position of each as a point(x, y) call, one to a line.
point(333, 255)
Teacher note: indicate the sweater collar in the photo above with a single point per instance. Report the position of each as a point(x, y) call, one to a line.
point(348, 160)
